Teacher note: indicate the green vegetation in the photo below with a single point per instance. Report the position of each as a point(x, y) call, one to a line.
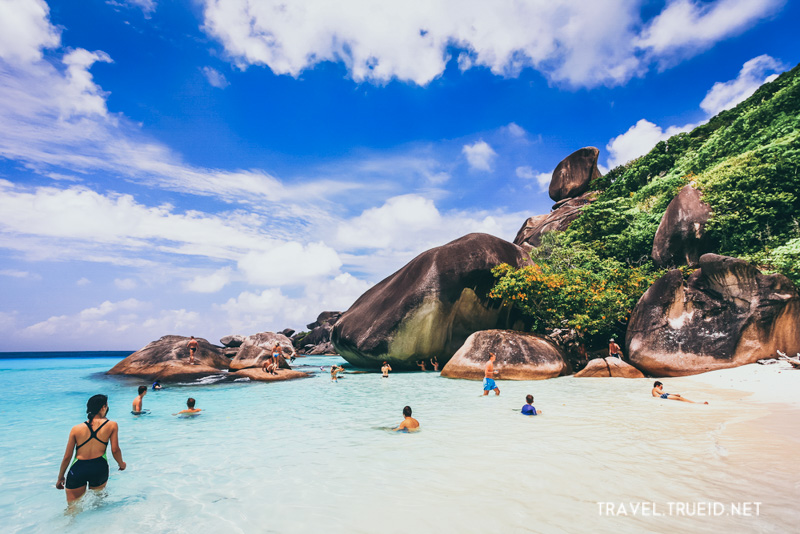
point(746, 162)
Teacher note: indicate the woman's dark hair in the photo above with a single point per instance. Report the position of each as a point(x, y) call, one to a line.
point(94, 406)
point(407, 411)
point(657, 383)
point(190, 402)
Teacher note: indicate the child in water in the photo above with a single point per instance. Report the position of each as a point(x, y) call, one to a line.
point(528, 409)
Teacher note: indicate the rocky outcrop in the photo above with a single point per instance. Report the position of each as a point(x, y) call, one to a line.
point(681, 237)
point(318, 339)
point(232, 341)
point(726, 314)
point(257, 348)
point(574, 174)
point(260, 375)
point(167, 359)
point(564, 212)
point(609, 367)
point(520, 356)
point(429, 307)
point(288, 332)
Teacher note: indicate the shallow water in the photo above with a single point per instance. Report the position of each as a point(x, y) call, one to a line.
point(315, 456)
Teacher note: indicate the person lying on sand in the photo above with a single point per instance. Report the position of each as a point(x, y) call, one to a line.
point(658, 391)
point(409, 423)
point(189, 408)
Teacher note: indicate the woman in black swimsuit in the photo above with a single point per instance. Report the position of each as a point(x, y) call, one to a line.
point(88, 442)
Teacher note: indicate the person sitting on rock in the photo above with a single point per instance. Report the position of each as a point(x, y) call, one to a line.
point(270, 366)
point(409, 424)
point(658, 391)
point(528, 409)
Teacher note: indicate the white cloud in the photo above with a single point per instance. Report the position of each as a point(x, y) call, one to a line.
point(210, 283)
point(107, 317)
point(542, 179)
point(479, 155)
point(572, 41)
point(25, 30)
point(726, 95)
point(14, 273)
point(83, 281)
point(644, 135)
point(148, 7)
point(215, 77)
point(516, 130)
point(289, 263)
point(688, 27)
point(639, 140)
point(126, 284)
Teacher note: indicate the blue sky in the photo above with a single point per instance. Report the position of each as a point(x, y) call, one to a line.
point(212, 167)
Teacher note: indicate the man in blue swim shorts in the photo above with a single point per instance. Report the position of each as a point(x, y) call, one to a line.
point(488, 376)
point(658, 391)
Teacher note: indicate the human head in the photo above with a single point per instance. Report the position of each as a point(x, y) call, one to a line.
point(190, 402)
point(492, 356)
point(529, 399)
point(142, 389)
point(191, 337)
point(407, 411)
point(657, 384)
point(95, 405)
point(611, 340)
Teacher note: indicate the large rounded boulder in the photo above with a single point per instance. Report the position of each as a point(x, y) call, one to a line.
point(726, 314)
point(574, 174)
point(681, 237)
point(429, 307)
point(520, 356)
point(167, 359)
point(609, 367)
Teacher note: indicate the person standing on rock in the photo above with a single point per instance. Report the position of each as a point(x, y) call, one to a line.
point(613, 349)
point(192, 349)
point(277, 350)
point(488, 376)
point(385, 369)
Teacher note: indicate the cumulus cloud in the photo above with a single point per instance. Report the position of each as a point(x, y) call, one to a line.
point(644, 135)
point(542, 179)
point(148, 7)
point(25, 30)
point(687, 27)
point(726, 95)
point(579, 43)
point(639, 140)
point(479, 155)
point(15, 273)
point(215, 77)
point(106, 317)
point(83, 281)
point(126, 284)
point(211, 282)
point(289, 264)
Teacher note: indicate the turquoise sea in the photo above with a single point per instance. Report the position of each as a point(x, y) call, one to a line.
point(316, 456)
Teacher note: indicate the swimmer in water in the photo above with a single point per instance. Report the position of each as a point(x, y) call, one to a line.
point(385, 369)
point(435, 363)
point(136, 408)
point(157, 385)
point(88, 442)
point(528, 408)
point(658, 391)
point(421, 364)
point(190, 409)
point(409, 424)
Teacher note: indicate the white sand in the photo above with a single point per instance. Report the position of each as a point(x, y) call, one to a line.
point(774, 383)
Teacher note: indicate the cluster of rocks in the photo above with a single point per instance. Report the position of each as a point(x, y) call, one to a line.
point(167, 359)
point(318, 338)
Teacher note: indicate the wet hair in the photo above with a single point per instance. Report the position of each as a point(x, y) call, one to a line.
point(657, 383)
point(94, 405)
point(529, 399)
point(142, 389)
point(407, 411)
point(190, 402)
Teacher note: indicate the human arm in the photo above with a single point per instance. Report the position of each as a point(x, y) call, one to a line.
point(402, 426)
point(116, 452)
point(71, 442)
